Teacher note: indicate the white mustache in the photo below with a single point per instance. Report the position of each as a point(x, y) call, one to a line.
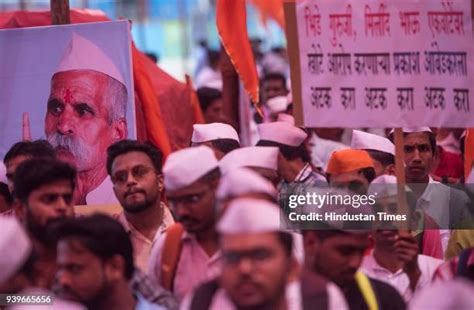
point(74, 145)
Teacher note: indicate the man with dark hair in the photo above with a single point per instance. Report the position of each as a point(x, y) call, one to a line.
point(222, 138)
point(187, 254)
point(43, 193)
point(135, 170)
point(272, 85)
point(22, 151)
point(210, 100)
point(293, 160)
point(95, 264)
point(351, 169)
point(446, 205)
point(258, 268)
point(380, 149)
point(337, 255)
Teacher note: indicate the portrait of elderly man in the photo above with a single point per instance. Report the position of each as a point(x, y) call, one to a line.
point(86, 113)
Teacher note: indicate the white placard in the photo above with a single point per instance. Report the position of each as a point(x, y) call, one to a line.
point(386, 63)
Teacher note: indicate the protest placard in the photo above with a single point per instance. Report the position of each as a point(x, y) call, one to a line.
point(382, 63)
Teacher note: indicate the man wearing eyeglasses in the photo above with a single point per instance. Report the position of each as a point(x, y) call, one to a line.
point(258, 268)
point(188, 253)
point(135, 171)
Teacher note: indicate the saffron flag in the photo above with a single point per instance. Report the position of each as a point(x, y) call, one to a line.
point(231, 19)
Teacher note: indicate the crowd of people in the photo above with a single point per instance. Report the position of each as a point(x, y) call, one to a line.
point(205, 227)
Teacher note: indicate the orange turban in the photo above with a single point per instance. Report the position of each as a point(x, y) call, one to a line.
point(347, 160)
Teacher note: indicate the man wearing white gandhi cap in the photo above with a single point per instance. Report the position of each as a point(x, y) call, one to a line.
point(380, 149)
point(222, 138)
point(258, 268)
point(263, 160)
point(294, 159)
point(85, 114)
point(191, 177)
point(16, 266)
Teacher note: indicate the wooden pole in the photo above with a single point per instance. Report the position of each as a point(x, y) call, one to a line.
point(60, 12)
point(230, 89)
point(294, 57)
point(400, 174)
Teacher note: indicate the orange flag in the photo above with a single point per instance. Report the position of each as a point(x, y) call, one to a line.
point(155, 129)
point(231, 19)
point(271, 9)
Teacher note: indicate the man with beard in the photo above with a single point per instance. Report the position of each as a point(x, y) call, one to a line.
point(187, 254)
point(85, 114)
point(258, 268)
point(43, 193)
point(221, 138)
point(95, 264)
point(135, 170)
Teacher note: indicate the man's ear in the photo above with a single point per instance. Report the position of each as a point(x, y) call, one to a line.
point(160, 182)
point(19, 209)
point(120, 130)
point(390, 169)
point(115, 267)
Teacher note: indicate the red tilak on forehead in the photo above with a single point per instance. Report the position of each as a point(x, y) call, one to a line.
point(67, 97)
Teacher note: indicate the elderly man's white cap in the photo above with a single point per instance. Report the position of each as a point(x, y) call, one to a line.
point(247, 215)
point(184, 167)
point(82, 54)
point(243, 181)
point(284, 117)
point(282, 132)
point(213, 131)
point(366, 141)
point(384, 186)
point(252, 156)
point(15, 247)
point(277, 104)
point(413, 129)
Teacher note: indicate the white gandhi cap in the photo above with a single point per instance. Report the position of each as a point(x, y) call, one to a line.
point(82, 54)
point(282, 132)
point(241, 181)
point(366, 141)
point(213, 131)
point(247, 215)
point(252, 156)
point(15, 247)
point(184, 167)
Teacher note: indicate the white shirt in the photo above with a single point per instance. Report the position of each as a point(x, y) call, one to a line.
point(102, 194)
point(142, 245)
point(437, 201)
point(221, 301)
point(399, 279)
